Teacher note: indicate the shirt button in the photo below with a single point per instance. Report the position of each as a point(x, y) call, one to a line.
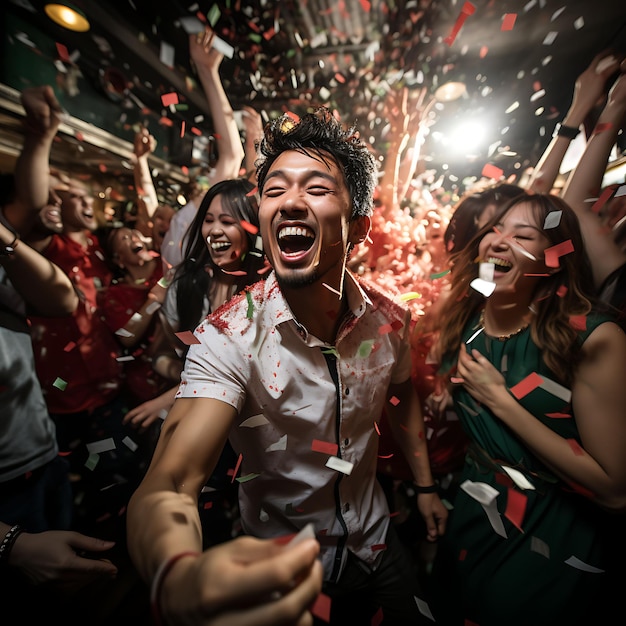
point(346, 442)
point(347, 391)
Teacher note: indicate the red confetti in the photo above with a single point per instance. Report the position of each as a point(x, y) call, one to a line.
point(324, 446)
point(579, 322)
point(602, 200)
point(182, 129)
point(491, 171)
point(508, 21)
point(394, 401)
point(467, 10)
point(525, 386)
point(236, 468)
point(251, 228)
point(561, 249)
point(515, 508)
point(169, 98)
point(187, 337)
point(63, 53)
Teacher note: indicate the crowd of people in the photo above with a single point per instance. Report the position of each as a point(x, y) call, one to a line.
point(316, 395)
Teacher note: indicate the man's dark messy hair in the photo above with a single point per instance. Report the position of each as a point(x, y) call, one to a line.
point(320, 135)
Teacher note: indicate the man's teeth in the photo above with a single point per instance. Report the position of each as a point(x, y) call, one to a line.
point(295, 231)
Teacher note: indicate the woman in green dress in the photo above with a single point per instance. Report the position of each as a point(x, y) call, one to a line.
point(535, 537)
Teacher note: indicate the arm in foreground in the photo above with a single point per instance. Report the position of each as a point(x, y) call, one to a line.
point(232, 583)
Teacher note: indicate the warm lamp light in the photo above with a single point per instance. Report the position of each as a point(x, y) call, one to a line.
point(67, 16)
point(450, 91)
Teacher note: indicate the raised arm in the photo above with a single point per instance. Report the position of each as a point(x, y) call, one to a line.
point(253, 123)
point(207, 61)
point(589, 90)
point(147, 202)
point(32, 169)
point(585, 182)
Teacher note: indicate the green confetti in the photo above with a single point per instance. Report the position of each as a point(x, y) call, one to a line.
point(59, 383)
point(439, 275)
point(331, 351)
point(181, 107)
point(250, 312)
point(365, 348)
point(213, 15)
point(247, 477)
point(92, 461)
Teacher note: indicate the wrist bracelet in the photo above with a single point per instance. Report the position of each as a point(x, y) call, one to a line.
point(428, 489)
point(157, 583)
point(8, 249)
point(566, 131)
point(7, 543)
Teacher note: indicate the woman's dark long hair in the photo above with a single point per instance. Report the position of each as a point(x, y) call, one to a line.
point(558, 297)
point(193, 274)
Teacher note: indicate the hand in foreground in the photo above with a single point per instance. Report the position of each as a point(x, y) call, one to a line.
point(53, 557)
point(246, 581)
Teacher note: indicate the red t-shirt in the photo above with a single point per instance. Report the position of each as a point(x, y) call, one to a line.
point(76, 356)
point(118, 303)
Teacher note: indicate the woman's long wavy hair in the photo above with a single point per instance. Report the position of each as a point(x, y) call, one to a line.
point(193, 274)
point(557, 298)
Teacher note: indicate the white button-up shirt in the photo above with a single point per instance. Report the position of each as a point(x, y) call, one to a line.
point(303, 405)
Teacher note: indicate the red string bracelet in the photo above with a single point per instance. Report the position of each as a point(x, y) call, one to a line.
point(157, 583)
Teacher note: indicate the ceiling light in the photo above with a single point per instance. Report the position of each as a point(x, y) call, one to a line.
point(450, 91)
point(68, 16)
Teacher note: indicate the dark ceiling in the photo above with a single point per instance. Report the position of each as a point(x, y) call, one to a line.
point(347, 53)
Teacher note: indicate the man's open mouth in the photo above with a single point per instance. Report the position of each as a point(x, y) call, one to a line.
point(294, 240)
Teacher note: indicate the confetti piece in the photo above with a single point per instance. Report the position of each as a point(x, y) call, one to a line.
point(325, 447)
point(467, 10)
point(491, 171)
point(574, 561)
point(59, 383)
point(250, 228)
point(508, 21)
point(602, 200)
point(526, 385)
point(169, 98)
point(394, 401)
point(345, 467)
point(236, 469)
point(104, 445)
point(483, 286)
point(247, 478)
point(187, 337)
point(553, 219)
point(254, 421)
point(553, 254)
point(411, 295)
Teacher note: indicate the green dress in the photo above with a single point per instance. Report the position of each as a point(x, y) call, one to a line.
point(546, 556)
